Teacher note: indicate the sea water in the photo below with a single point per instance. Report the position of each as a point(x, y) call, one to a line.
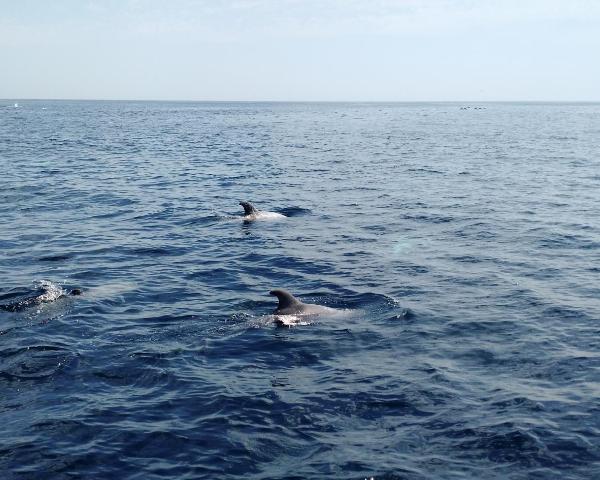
point(463, 238)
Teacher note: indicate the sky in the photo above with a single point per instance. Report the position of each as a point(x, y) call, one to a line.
point(301, 50)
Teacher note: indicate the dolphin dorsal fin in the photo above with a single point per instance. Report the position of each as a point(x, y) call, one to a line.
point(249, 209)
point(286, 299)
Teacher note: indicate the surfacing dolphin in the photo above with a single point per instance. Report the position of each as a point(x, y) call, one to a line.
point(49, 294)
point(290, 305)
point(253, 213)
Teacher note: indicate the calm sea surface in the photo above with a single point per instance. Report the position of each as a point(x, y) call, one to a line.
point(465, 242)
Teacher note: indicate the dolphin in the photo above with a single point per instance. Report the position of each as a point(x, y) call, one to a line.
point(45, 297)
point(253, 213)
point(290, 305)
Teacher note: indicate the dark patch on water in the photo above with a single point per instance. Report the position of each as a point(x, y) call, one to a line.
point(55, 258)
point(157, 251)
point(294, 211)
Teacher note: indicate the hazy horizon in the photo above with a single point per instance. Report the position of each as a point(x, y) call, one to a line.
point(332, 50)
point(163, 100)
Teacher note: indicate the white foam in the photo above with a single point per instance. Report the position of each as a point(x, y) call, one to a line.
point(293, 320)
point(51, 291)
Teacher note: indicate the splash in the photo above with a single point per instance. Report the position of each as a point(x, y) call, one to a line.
point(51, 290)
point(292, 320)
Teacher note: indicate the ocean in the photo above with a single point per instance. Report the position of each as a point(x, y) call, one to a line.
point(462, 240)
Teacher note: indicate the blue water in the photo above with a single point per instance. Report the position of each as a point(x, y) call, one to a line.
point(465, 243)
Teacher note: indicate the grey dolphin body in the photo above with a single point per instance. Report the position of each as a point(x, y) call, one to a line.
point(253, 213)
point(290, 305)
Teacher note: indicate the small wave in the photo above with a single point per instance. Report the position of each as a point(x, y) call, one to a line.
point(157, 251)
point(524, 445)
point(468, 259)
point(113, 214)
point(565, 312)
point(429, 218)
point(36, 362)
point(205, 220)
point(424, 170)
point(569, 241)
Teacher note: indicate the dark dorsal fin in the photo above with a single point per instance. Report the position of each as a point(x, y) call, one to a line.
point(249, 209)
point(286, 299)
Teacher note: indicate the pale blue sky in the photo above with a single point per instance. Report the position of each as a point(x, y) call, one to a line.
point(401, 50)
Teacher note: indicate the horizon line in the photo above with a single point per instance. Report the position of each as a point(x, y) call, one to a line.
point(26, 99)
